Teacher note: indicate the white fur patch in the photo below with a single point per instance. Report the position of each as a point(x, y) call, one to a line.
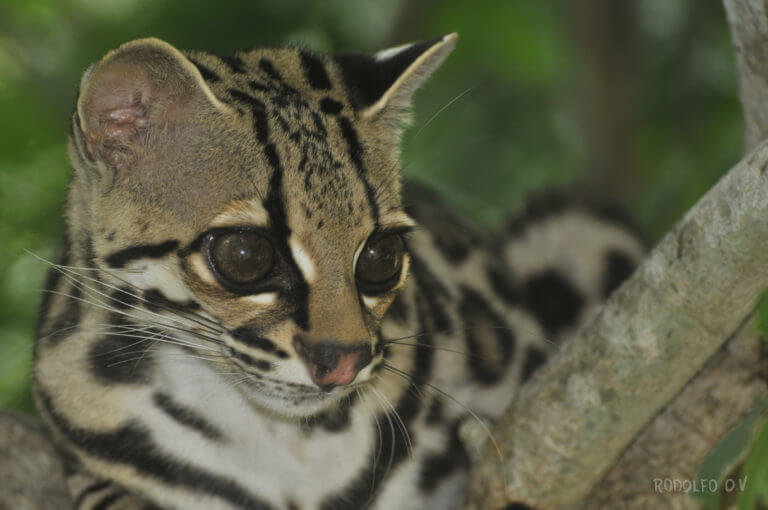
point(201, 269)
point(397, 219)
point(242, 213)
point(391, 52)
point(160, 274)
point(306, 266)
point(265, 298)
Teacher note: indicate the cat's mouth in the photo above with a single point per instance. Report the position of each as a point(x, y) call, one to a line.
point(286, 387)
point(293, 401)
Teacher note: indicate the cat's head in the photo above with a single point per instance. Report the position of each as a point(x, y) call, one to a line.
point(255, 200)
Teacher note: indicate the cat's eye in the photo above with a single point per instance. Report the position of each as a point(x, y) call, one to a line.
point(379, 264)
point(240, 258)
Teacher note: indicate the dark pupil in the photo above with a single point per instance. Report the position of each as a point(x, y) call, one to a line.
point(242, 257)
point(381, 260)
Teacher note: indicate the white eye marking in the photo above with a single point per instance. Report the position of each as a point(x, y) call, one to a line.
point(396, 219)
point(265, 298)
point(240, 213)
point(357, 255)
point(302, 260)
point(202, 269)
point(370, 302)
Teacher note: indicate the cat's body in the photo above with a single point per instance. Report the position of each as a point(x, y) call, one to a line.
point(245, 315)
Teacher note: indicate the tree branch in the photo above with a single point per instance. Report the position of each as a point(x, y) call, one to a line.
point(577, 416)
point(675, 444)
point(580, 412)
point(748, 22)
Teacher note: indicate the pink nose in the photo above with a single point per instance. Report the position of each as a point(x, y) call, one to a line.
point(332, 364)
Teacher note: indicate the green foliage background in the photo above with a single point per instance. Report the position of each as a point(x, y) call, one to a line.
point(511, 112)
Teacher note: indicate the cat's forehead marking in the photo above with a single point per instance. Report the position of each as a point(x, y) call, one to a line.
point(302, 121)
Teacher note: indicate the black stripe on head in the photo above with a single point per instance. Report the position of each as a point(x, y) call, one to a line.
point(259, 112)
point(330, 106)
point(275, 208)
point(235, 64)
point(132, 445)
point(207, 74)
point(185, 416)
point(123, 257)
point(314, 71)
point(356, 155)
point(257, 87)
point(269, 68)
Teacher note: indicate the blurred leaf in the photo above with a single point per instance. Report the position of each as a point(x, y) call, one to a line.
point(724, 457)
point(761, 315)
point(756, 473)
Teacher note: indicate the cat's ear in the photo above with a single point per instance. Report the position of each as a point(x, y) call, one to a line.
point(143, 90)
point(383, 84)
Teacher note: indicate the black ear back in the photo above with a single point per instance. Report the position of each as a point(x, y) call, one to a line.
point(388, 79)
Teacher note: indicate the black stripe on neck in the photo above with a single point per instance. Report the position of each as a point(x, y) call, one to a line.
point(314, 71)
point(132, 445)
point(185, 416)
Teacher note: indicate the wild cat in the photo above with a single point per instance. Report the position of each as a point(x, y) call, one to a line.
point(251, 312)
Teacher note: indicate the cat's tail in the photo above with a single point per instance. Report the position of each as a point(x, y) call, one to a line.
point(568, 253)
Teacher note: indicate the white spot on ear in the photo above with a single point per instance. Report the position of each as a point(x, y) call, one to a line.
point(391, 52)
point(302, 259)
point(399, 93)
point(265, 298)
point(370, 302)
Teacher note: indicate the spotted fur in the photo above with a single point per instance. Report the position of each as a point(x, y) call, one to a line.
point(168, 389)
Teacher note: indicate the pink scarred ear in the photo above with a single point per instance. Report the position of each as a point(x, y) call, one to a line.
point(140, 91)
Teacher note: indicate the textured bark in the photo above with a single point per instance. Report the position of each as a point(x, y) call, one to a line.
point(580, 412)
point(563, 439)
point(749, 33)
point(676, 443)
